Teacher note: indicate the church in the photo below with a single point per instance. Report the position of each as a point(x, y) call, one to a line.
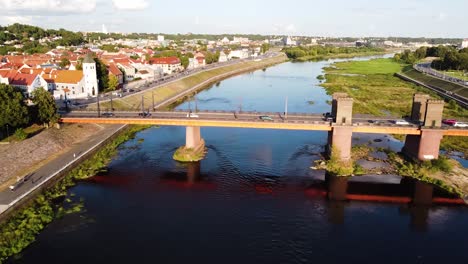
point(74, 84)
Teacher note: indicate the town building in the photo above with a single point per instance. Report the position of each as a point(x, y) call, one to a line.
point(464, 44)
point(168, 64)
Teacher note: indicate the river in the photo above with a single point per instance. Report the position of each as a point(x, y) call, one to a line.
point(248, 201)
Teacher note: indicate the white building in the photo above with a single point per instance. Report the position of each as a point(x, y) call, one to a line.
point(160, 38)
point(464, 44)
point(222, 57)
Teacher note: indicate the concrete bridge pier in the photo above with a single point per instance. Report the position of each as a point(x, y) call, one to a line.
point(194, 148)
point(427, 145)
point(192, 137)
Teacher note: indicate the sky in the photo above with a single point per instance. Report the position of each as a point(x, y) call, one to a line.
point(331, 18)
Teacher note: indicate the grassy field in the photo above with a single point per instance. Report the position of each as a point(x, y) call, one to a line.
point(377, 91)
point(456, 74)
point(372, 85)
point(458, 89)
point(339, 56)
point(169, 90)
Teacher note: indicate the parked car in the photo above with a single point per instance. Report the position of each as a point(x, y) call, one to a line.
point(450, 122)
point(460, 124)
point(192, 115)
point(265, 118)
point(144, 114)
point(401, 122)
point(107, 114)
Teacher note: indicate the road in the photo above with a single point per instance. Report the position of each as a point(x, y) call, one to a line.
point(270, 120)
point(143, 85)
point(31, 182)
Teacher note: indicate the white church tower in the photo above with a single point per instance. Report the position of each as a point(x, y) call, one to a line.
point(90, 76)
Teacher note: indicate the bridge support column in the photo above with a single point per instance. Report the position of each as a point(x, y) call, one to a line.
point(340, 139)
point(192, 137)
point(424, 147)
point(194, 148)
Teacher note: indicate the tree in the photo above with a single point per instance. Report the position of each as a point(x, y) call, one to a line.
point(46, 107)
point(184, 61)
point(113, 82)
point(265, 47)
point(64, 62)
point(13, 109)
point(102, 74)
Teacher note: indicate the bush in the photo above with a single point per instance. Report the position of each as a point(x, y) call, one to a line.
point(20, 134)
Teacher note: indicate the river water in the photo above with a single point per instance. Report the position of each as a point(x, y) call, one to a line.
point(248, 201)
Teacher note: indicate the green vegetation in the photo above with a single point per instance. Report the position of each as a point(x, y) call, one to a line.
point(449, 57)
point(20, 134)
point(303, 53)
point(426, 171)
point(184, 154)
point(113, 82)
point(29, 37)
point(21, 229)
point(429, 80)
point(13, 109)
point(459, 144)
point(372, 86)
point(335, 166)
point(46, 107)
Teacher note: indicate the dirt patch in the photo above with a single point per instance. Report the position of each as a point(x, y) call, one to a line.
point(19, 159)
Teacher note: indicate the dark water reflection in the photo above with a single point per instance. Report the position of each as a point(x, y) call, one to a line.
point(254, 198)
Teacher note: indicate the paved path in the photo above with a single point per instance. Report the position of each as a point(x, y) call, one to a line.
point(31, 182)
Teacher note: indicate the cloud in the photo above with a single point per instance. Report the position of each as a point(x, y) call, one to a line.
point(8, 20)
point(38, 6)
point(130, 4)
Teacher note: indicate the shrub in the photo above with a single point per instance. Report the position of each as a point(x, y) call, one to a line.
point(20, 134)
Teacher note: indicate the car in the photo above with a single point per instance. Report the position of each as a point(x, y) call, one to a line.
point(401, 122)
point(192, 115)
point(130, 90)
point(107, 114)
point(144, 114)
point(450, 122)
point(328, 117)
point(76, 103)
point(266, 118)
point(460, 124)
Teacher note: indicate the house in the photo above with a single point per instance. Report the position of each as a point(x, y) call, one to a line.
point(27, 83)
point(168, 64)
point(115, 71)
point(222, 57)
point(464, 44)
point(238, 54)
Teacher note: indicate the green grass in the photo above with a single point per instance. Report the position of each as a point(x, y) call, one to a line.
point(372, 86)
point(30, 131)
point(339, 56)
point(377, 66)
point(448, 86)
point(376, 90)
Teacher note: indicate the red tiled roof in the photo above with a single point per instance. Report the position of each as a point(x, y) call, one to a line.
point(165, 60)
point(21, 79)
point(114, 70)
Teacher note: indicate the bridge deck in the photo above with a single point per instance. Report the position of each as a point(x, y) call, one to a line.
point(251, 120)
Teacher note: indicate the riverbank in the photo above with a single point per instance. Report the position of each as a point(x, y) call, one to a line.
point(21, 227)
point(374, 88)
point(40, 150)
point(179, 89)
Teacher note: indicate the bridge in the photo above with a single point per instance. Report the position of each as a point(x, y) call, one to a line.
point(424, 133)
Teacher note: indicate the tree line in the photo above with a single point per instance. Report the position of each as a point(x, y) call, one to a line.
point(29, 37)
point(317, 50)
point(16, 114)
point(449, 58)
